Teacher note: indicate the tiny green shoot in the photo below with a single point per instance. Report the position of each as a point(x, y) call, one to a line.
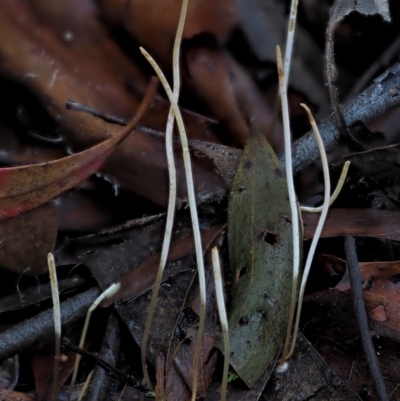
point(232, 375)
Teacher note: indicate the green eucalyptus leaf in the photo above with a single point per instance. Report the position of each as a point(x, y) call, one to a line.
point(261, 260)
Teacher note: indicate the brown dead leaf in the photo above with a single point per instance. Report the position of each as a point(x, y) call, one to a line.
point(76, 23)
point(62, 74)
point(24, 188)
point(79, 212)
point(25, 240)
point(142, 278)
point(227, 90)
point(382, 278)
point(42, 362)
point(355, 222)
point(157, 31)
point(110, 258)
point(327, 318)
point(181, 348)
point(9, 395)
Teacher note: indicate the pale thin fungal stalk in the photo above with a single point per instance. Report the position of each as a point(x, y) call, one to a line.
point(172, 192)
point(290, 39)
point(292, 196)
point(110, 291)
point(57, 322)
point(193, 213)
point(219, 292)
point(86, 385)
point(325, 208)
point(335, 194)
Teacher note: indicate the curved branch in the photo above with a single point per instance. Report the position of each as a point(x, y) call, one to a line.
point(382, 95)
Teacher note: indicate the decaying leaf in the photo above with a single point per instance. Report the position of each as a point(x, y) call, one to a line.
point(308, 377)
point(42, 363)
point(140, 165)
point(227, 91)
point(181, 349)
point(156, 32)
point(24, 188)
point(133, 248)
point(260, 251)
point(326, 325)
point(142, 277)
point(9, 395)
point(355, 222)
point(380, 278)
point(26, 240)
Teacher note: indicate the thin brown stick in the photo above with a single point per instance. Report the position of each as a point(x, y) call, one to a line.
point(361, 317)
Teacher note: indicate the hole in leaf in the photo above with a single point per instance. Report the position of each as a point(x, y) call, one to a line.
point(248, 164)
point(395, 279)
point(269, 237)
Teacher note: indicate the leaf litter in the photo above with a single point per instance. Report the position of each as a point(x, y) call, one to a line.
point(115, 252)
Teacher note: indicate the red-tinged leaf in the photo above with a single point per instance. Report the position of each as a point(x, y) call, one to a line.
point(24, 188)
point(42, 362)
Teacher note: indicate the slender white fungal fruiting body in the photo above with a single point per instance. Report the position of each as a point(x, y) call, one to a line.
point(193, 213)
point(172, 191)
point(325, 208)
point(86, 385)
point(335, 194)
point(57, 322)
point(292, 196)
point(290, 39)
point(219, 292)
point(110, 291)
